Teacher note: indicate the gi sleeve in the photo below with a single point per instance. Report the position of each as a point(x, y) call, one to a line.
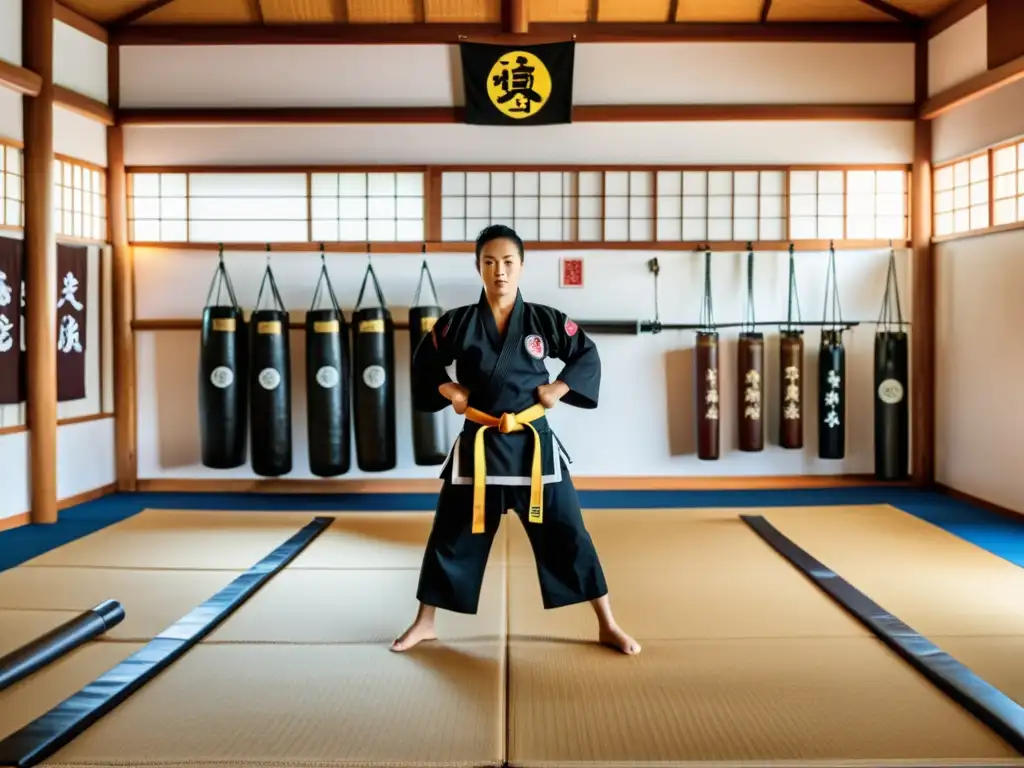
point(582, 372)
point(433, 354)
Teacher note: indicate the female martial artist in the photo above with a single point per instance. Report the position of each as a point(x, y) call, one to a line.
point(506, 456)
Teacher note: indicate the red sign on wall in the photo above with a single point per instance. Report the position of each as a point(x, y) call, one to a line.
point(572, 273)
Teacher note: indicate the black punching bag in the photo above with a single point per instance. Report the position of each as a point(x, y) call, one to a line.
point(892, 386)
point(832, 374)
point(270, 402)
point(429, 441)
point(373, 382)
point(223, 377)
point(328, 413)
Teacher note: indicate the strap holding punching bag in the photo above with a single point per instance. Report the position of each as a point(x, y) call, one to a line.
point(791, 371)
point(429, 441)
point(373, 382)
point(892, 386)
point(832, 372)
point(705, 371)
point(750, 372)
point(223, 377)
point(270, 390)
point(328, 412)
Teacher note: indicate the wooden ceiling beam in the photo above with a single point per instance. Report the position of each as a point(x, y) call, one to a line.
point(83, 105)
point(340, 8)
point(974, 88)
point(904, 17)
point(19, 79)
point(638, 113)
point(139, 12)
point(441, 33)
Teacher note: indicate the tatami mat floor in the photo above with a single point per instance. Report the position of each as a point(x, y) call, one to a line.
point(744, 661)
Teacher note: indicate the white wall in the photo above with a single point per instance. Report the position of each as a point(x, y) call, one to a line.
point(646, 408)
point(646, 412)
point(79, 62)
point(10, 31)
point(958, 53)
point(430, 75)
point(978, 312)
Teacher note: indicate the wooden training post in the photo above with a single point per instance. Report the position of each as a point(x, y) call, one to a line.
point(922, 344)
point(40, 265)
point(123, 304)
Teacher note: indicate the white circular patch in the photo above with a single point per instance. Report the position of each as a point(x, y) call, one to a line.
point(328, 377)
point(890, 391)
point(222, 377)
point(534, 346)
point(374, 376)
point(269, 378)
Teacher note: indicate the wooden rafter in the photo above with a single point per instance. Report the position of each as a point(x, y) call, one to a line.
point(594, 11)
point(443, 33)
point(902, 16)
point(604, 113)
point(953, 14)
point(673, 11)
point(77, 21)
point(340, 8)
point(19, 79)
point(139, 12)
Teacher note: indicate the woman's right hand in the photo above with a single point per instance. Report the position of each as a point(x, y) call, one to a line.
point(458, 395)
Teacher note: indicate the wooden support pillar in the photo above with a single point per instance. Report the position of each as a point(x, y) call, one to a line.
point(122, 275)
point(514, 14)
point(40, 264)
point(922, 332)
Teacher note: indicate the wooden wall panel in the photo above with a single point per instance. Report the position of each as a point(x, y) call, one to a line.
point(633, 10)
point(382, 11)
point(568, 11)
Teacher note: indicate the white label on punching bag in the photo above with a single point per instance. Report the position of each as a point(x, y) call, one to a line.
point(374, 376)
point(328, 377)
point(222, 377)
point(890, 391)
point(269, 378)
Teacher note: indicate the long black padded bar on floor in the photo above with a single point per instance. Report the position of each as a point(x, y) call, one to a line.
point(52, 731)
point(990, 705)
point(58, 642)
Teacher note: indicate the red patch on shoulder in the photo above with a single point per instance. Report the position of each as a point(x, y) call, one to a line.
point(570, 327)
point(433, 337)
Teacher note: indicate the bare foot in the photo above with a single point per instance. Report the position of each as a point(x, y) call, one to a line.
point(414, 635)
point(614, 637)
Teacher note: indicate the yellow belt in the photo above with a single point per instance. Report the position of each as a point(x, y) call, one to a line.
point(509, 422)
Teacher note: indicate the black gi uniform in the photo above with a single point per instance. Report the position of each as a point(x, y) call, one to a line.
point(502, 374)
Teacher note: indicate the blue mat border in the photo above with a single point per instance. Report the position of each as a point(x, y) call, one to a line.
point(999, 534)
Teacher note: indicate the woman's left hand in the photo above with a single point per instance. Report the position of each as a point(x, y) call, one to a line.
point(550, 394)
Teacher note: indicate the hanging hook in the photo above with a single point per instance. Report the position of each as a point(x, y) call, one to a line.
point(220, 252)
point(791, 249)
point(323, 258)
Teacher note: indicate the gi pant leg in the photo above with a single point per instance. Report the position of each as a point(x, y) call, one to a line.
point(455, 557)
point(568, 567)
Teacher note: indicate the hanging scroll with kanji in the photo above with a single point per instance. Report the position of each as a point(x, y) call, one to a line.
point(72, 292)
point(11, 357)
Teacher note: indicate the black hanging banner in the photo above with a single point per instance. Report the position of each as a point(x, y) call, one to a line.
point(518, 85)
point(892, 386)
point(72, 289)
point(832, 373)
point(11, 390)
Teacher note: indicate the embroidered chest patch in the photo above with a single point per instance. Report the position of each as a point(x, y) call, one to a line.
point(570, 328)
point(535, 346)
